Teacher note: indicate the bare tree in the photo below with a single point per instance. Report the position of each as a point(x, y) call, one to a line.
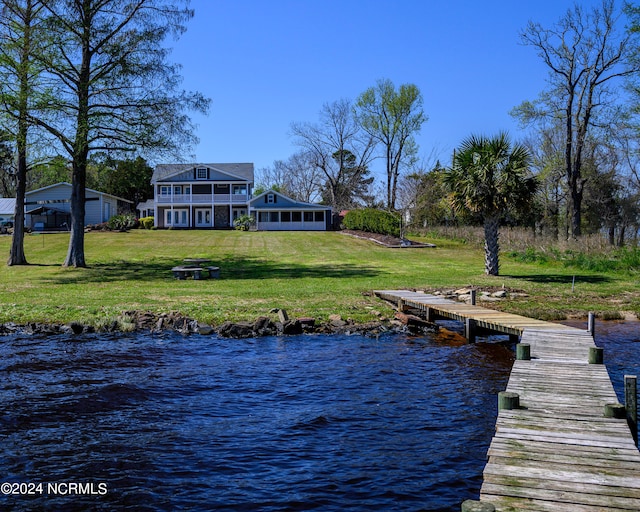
point(338, 148)
point(297, 177)
point(585, 54)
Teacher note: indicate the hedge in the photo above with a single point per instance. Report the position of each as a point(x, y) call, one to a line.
point(373, 221)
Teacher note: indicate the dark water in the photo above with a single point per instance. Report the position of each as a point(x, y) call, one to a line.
point(163, 422)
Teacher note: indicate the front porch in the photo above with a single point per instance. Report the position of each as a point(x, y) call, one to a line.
point(211, 217)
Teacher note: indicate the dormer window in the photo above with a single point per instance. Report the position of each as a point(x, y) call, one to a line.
point(271, 198)
point(201, 173)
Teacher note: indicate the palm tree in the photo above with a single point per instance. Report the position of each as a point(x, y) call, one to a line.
point(490, 177)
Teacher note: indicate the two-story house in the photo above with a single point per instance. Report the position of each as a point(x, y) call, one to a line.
point(214, 195)
point(201, 195)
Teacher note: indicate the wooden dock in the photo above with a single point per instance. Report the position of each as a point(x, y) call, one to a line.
point(477, 320)
point(555, 450)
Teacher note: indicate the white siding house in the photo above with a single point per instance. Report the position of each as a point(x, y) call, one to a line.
point(49, 207)
point(274, 211)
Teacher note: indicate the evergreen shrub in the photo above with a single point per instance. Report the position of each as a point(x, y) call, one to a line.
point(146, 222)
point(373, 220)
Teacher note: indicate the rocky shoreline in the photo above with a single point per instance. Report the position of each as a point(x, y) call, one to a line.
point(141, 321)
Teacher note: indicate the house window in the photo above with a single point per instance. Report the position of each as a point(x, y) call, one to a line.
point(177, 190)
point(239, 189)
point(296, 216)
point(319, 216)
point(274, 216)
point(308, 216)
point(165, 190)
point(201, 173)
point(285, 216)
point(271, 198)
point(263, 217)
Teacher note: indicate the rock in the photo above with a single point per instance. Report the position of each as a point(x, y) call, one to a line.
point(415, 323)
point(308, 324)
point(236, 330)
point(500, 294)
point(264, 326)
point(294, 327)
point(462, 291)
point(204, 329)
point(282, 316)
point(336, 321)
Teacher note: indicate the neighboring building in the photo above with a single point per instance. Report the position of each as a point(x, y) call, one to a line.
point(201, 195)
point(146, 209)
point(274, 211)
point(49, 207)
point(7, 209)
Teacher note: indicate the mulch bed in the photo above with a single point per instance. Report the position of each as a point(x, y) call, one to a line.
point(386, 240)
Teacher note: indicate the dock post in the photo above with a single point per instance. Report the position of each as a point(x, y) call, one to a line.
point(508, 401)
point(591, 324)
point(631, 404)
point(470, 330)
point(614, 410)
point(473, 297)
point(523, 352)
point(596, 355)
point(429, 316)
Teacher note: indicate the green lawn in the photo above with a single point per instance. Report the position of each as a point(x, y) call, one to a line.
point(308, 274)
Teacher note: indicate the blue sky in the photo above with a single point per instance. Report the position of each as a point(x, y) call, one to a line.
point(268, 63)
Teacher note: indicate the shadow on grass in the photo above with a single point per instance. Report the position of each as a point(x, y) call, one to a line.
point(561, 278)
point(230, 268)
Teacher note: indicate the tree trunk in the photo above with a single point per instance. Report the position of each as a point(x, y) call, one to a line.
point(491, 245)
point(75, 254)
point(16, 255)
point(576, 212)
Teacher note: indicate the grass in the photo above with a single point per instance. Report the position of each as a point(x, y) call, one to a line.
point(308, 274)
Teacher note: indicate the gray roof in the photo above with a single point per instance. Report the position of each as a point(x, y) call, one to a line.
point(68, 185)
point(243, 171)
point(7, 206)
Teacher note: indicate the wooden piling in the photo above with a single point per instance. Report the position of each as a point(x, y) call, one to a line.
point(631, 404)
point(523, 352)
point(508, 401)
point(596, 355)
point(615, 410)
point(591, 324)
point(470, 329)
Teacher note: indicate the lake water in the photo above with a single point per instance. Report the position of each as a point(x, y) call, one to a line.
point(330, 423)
